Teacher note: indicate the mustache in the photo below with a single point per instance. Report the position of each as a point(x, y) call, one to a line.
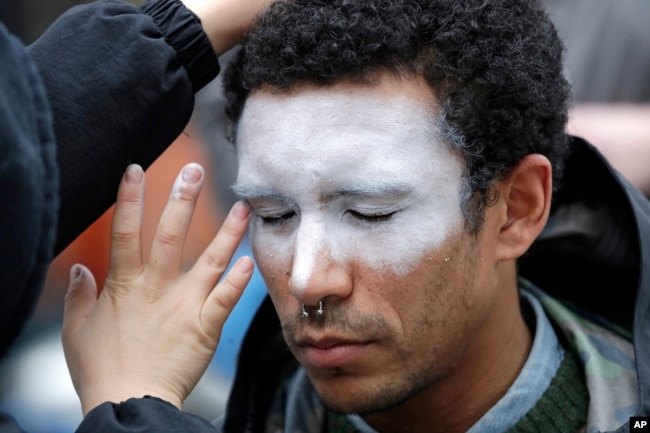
point(336, 320)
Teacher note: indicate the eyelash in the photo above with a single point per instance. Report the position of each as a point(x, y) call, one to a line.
point(371, 219)
point(276, 220)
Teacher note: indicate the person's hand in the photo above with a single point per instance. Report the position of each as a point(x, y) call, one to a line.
point(153, 329)
point(226, 21)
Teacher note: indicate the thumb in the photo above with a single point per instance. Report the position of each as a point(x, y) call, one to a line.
point(80, 298)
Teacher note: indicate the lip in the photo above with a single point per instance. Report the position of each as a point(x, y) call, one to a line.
point(331, 353)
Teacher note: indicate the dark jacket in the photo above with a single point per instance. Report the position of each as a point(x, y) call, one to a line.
point(594, 253)
point(108, 84)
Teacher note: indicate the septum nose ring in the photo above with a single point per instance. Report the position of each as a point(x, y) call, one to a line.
point(319, 312)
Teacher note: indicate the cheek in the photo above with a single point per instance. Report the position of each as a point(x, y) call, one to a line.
point(274, 266)
point(270, 250)
point(434, 294)
point(402, 250)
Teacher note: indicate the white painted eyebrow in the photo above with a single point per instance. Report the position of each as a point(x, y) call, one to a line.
point(253, 192)
point(395, 190)
point(371, 190)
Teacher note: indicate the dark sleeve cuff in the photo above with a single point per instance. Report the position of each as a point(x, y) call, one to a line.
point(143, 415)
point(183, 32)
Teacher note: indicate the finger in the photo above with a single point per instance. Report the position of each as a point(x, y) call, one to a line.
point(126, 244)
point(224, 297)
point(80, 300)
point(167, 247)
point(215, 259)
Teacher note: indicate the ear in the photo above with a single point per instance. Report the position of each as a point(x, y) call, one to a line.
point(526, 200)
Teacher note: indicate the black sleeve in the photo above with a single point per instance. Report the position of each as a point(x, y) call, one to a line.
point(142, 415)
point(28, 187)
point(121, 83)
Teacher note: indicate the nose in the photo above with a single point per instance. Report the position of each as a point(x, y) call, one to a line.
point(315, 273)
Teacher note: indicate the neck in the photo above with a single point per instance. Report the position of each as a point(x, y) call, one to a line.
point(455, 402)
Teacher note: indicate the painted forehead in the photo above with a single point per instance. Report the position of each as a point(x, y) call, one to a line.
point(393, 104)
point(376, 124)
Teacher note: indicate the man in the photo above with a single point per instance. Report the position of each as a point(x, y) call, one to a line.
point(400, 160)
point(424, 227)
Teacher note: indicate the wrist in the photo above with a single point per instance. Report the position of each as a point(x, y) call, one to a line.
point(221, 28)
point(225, 22)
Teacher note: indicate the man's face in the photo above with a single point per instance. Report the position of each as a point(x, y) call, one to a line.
point(356, 202)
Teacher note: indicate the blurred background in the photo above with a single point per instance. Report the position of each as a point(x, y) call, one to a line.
point(608, 62)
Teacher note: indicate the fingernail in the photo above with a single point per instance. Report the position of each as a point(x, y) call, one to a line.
point(241, 210)
point(192, 173)
point(75, 272)
point(133, 174)
point(244, 265)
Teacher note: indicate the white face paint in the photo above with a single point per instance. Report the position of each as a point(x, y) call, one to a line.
point(346, 173)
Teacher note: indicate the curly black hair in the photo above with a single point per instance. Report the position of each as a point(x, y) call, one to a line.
point(496, 68)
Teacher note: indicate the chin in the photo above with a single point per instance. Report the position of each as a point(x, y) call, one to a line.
point(364, 400)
